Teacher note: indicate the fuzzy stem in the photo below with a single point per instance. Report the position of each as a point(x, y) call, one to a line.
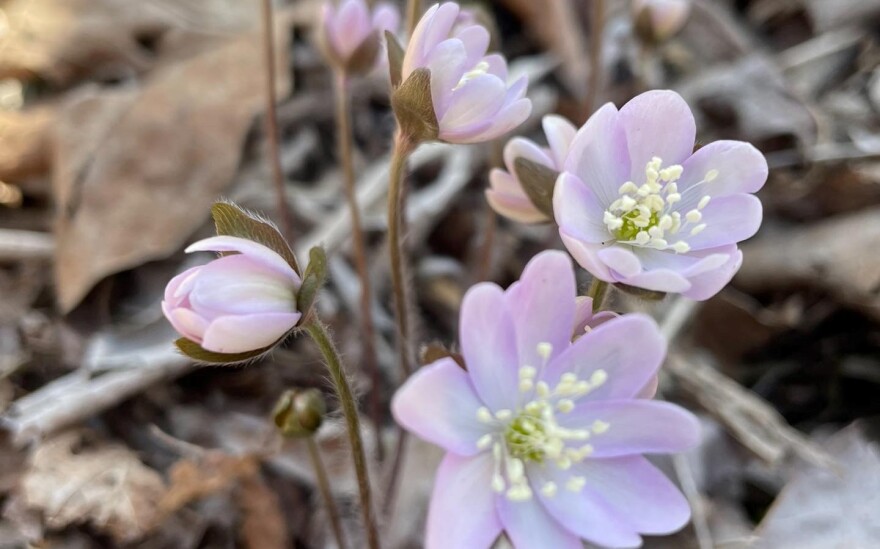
point(271, 121)
point(598, 291)
point(318, 333)
point(344, 143)
point(597, 26)
point(326, 494)
point(403, 146)
point(413, 13)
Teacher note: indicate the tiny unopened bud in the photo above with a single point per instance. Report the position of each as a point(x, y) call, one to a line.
point(659, 20)
point(299, 413)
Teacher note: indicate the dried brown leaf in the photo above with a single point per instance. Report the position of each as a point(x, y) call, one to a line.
point(25, 136)
point(263, 525)
point(105, 485)
point(132, 166)
point(193, 479)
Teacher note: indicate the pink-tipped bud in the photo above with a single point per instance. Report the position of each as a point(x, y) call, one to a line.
point(351, 34)
point(243, 301)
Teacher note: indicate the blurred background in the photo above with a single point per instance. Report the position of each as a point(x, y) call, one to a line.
point(122, 121)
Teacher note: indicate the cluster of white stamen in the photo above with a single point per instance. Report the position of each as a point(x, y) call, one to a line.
point(645, 215)
point(479, 69)
point(531, 433)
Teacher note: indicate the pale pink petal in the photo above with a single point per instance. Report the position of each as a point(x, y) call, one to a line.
point(635, 427)
point(598, 155)
point(634, 490)
point(351, 26)
point(497, 65)
point(462, 510)
point(237, 284)
point(658, 280)
point(386, 18)
point(530, 526)
point(560, 134)
point(433, 28)
point(439, 404)
point(246, 247)
point(509, 117)
point(519, 147)
point(542, 306)
point(707, 284)
point(740, 167)
point(578, 211)
point(728, 219)
point(239, 334)
point(610, 347)
point(657, 123)
point(476, 40)
point(187, 323)
point(583, 513)
point(488, 343)
point(586, 255)
point(476, 100)
point(621, 260)
point(178, 288)
point(447, 65)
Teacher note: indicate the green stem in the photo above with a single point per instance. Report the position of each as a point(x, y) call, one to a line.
point(344, 142)
point(319, 334)
point(326, 494)
point(403, 146)
point(413, 13)
point(598, 291)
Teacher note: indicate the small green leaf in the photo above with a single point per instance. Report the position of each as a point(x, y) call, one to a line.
point(363, 58)
point(648, 295)
point(313, 281)
point(538, 182)
point(195, 351)
point(414, 108)
point(231, 220)
point(395, 59)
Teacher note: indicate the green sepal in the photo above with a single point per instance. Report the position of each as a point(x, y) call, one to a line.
point(538, 182)
point(313, 281)
point(414, 108)
point(648, 295)
point(196, 352)
point(232, 220)
point(432, 352)
point(395, 59)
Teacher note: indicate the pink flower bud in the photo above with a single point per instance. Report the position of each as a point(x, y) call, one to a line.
point(659, 20)
point(237, 303)
point(351, 35)
point(470, 94)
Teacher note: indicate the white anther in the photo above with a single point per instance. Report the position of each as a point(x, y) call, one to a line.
point(694, 216)
point(520, 492)
point(545, 350)
point(711, 175)
point(642, 238)
point(565, 405)
point(628, 187)
point(672, 198)
point(563, 463)
point(543, 389)
point(665, 222)
point(704, 202)
point(659, 243)
point(484, 415)
point(576, 484)
point(549, 489)
point(698, 229)
point(600, 426)
point(681, 247)
point(598, 378)
point(504, 414)
point(498, 484)
point(526, 385)
point(515, 470)
point(655, 232)
point(484, 442)
point(527, 372)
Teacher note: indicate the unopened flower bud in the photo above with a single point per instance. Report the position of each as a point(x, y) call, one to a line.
point(351, 36)
point(659, 20)
point(299, 413)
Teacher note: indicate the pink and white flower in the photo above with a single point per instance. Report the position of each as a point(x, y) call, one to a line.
point(344, 30)
point(545, 436)
point(241, 302)
point(471, 98)
point(635, 205)
point(506, 194)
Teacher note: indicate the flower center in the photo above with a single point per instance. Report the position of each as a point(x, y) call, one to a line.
point(532, 433)
point(480, 69)
point(645, 216)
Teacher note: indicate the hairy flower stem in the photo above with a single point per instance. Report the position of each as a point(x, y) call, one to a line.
point(403, 146)
point(318, 333)
point(597, 26)
point(271, 120)
point(368, 357)
point(326, 494)
point(413, 13)
point(598, 291)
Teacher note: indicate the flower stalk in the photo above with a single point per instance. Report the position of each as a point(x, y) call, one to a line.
point(413, 12)
point(403, 147)
point(318, 332)
point(326, 494)
point(344, 140)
